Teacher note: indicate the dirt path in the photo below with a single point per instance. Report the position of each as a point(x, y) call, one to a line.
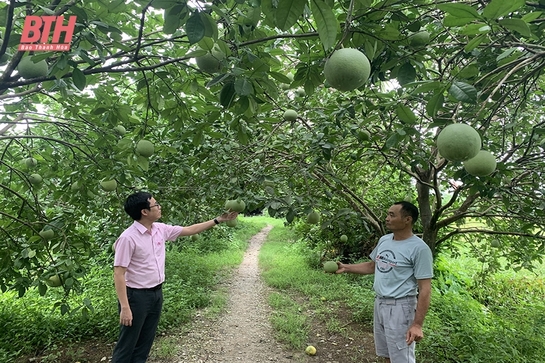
point(243, 333)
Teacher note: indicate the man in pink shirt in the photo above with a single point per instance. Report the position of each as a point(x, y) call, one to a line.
point(139, 272)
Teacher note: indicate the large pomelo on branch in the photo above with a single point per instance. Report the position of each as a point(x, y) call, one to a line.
point(35, 179)
point(419, 39)
point(232, 222)
point(313, 217)
point(28, 69)
point(483, 164)
point(145, 148)
point(290, 115)
point(458, 142)
point(211, 61)
point(236, 205)
point(54, 281)
point(109, 185)
point(347, 69)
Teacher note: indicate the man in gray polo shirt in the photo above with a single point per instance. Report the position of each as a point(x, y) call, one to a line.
point(403, 268)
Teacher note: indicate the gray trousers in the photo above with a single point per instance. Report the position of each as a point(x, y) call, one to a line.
point(392, 319)
point(135, 341)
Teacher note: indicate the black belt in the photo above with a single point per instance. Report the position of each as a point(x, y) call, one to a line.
point(155, 288)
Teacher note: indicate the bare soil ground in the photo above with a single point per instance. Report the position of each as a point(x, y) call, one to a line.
point(243, 332)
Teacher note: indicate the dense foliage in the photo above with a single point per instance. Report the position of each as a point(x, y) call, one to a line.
point(221, 135)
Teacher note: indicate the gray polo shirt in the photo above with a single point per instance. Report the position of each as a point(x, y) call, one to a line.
point(398, 264)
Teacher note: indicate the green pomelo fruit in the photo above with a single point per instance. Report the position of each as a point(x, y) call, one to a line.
point(419, 39)
point(120, 129)
point(344, 238)
point(458, 142)
point(313, 217)
point(28, 69)
point(47, 234)
point(300, 92)
point(210, 62)
point(330, 266)
point(495, 243)
point(31, 162)
point(232, 222)
point(54, 281)
point(75, 186)
point(109, 185)
point(481, 165)
point(194, 237)
point(290, 115)
point(237, 205)
point(35, 179)
point(347, 69)
point(364, 135)
point(145, 148)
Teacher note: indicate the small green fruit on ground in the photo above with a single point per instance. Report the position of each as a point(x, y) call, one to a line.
point(344, 238)
point(109, 185)
point(47, 234)
point(330, 266)
point(310, 350)
point(28, 69)
point(54, 281)
point(290, 115)
point(145, 148)
point(458, 142)
point(194, 237)
point(232, 222)
point(313, 217)
point(35, 179)
point(481, 165)
point(210, 62)
point(419, 39)
point(31, 163)
point(120, 129)
point(495, 243)
point(347, 69)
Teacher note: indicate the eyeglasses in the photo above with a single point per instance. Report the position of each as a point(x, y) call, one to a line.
point(155, 205)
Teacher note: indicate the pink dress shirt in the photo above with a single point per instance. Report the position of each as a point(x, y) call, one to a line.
point(143, 253)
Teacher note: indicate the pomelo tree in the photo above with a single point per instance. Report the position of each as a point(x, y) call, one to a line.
point(219, 134)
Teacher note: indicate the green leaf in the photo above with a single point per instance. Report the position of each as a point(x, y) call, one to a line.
point(243, 87)
point(499, 8)
point(451, 21)
point(406, 74)
point(517, 25)
point(459, 10)
point(172, 19)
point(427, 86)
point(79, 79)
point(227, 94)
point(288, 11)
point(474, 43)
point(290, 216)
point(434, 104)
point(326, 22)
point(405, 114)
point(463, 92)
point(195, 28)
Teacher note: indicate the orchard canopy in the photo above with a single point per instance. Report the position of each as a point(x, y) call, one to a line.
point(208, 83)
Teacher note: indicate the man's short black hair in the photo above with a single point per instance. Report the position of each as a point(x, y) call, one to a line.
point(135, 203)
point(409, 209)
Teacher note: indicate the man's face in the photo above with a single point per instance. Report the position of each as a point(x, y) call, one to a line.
point(154, 212)
point(396, 220)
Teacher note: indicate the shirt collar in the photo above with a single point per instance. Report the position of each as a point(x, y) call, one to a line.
point(141, 228)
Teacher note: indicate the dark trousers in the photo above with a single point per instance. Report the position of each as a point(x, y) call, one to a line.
point(135, 341)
